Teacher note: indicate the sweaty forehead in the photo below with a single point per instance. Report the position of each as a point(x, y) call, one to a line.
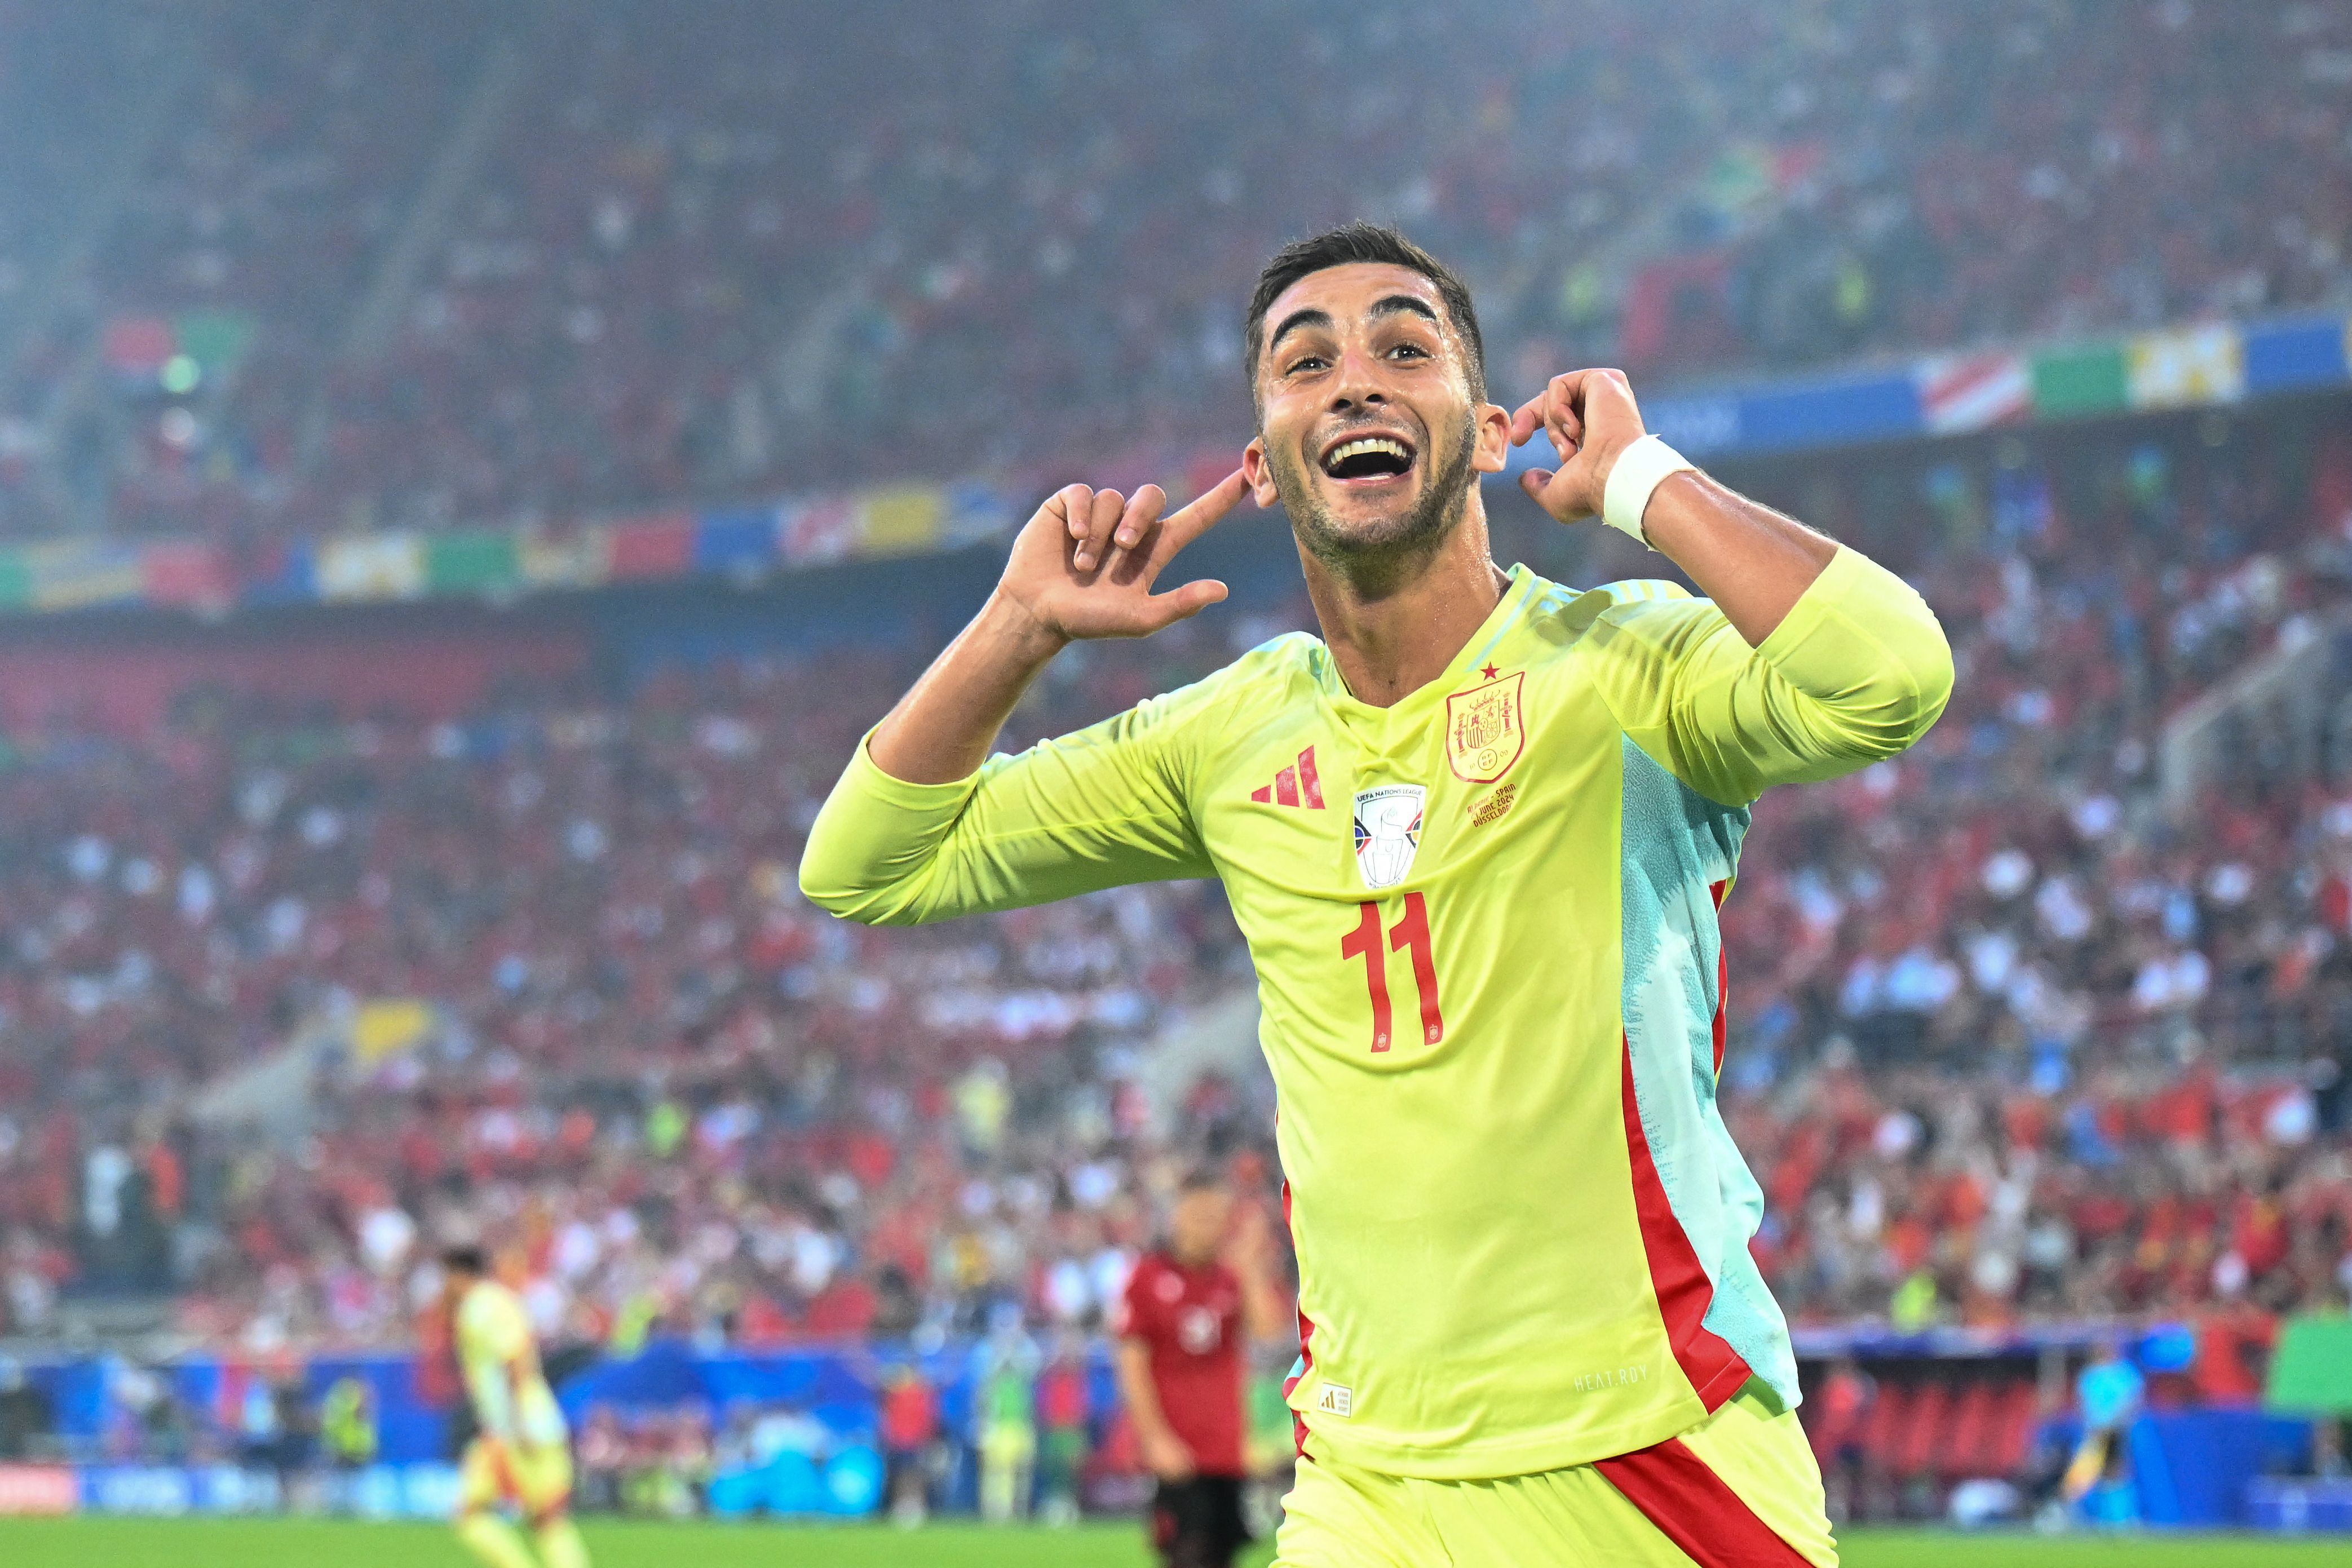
point(1347, 293)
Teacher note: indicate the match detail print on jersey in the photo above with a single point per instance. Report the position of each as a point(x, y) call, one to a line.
point(1388, 833)
point(1485, 729)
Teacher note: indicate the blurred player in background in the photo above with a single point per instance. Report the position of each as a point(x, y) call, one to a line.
point(521, 1454)
point(1531, 1327)
point(2111, 1393)
point(1189, 1312)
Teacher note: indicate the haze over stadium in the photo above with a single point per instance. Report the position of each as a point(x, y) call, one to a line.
point(471, 477)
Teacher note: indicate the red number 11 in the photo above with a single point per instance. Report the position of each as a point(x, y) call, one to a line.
point(1413, 931)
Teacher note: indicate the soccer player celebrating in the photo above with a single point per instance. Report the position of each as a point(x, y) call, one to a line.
point(1184, 1324)
point(1475, 835)
point(522, 1454)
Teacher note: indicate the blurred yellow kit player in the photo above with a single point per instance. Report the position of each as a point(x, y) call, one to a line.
point(522, 1454)
point(1475, 835)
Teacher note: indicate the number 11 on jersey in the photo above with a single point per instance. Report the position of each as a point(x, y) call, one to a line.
point(1410, 932)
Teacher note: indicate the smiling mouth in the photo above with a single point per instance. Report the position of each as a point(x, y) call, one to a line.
point(1368, 460)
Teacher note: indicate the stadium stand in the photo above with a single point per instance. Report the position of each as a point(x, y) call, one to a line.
point(2007, 1045)
point(460, 271)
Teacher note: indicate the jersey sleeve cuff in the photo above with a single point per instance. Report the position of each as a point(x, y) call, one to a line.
point(867, 777)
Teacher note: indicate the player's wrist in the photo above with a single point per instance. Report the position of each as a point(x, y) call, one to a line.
point(1630, 475)
point(1013, 625)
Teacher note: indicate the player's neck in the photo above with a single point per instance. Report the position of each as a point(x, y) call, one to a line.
point(1393, 633)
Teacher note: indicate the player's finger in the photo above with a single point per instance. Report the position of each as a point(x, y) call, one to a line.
point(1200, 517)
point(1568, 387)
point(1566, 435)
point(1164, 610)
point(1142, 512)
point(1071, 505)
point(1549, 489)
point(1564, 424)
point(1101, 517)
point(1528, 418)
point(1610, 390)
point(1128, 558)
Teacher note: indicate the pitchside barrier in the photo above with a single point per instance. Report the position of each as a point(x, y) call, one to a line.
point(1946, 1412)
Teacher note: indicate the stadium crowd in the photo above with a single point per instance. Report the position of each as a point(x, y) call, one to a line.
point(467, 270)
point(2007, 1044)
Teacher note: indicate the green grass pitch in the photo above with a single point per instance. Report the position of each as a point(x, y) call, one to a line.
point(306, 1543)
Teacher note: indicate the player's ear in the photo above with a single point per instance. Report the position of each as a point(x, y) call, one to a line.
point(1258, 473)
point(1491, 437)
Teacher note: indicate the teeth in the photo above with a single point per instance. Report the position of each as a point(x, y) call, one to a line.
point(1368, 445)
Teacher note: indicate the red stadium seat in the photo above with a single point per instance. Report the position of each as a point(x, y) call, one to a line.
point(1887, 1419)
point(1964, 1450)
point(2013, 1423)
point(1921, 1442)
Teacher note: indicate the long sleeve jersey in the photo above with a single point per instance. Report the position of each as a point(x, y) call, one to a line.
point(1484, 922)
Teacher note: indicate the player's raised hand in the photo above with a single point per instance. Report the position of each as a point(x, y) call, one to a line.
point(1084, 566)
point(1590, 417)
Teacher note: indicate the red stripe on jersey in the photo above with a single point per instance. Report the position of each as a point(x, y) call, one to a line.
point(1695, 1507)
point(1722, 979)
point(1306, 1341)
point(1722, 999)
point(1307, 782)
point(1285, 787)
point(1262, 794)
point(1716, 1370)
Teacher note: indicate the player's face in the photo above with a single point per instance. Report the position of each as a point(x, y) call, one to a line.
point(1197, 1229)
point(1368, 432)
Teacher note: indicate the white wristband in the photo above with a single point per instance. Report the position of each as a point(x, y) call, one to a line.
point(1640, 469)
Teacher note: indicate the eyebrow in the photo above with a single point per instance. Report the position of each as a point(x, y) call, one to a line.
point(1310, 316)
point(1403, 304)
point(1390, 305)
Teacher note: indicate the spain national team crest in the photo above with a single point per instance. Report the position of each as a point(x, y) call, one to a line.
point(1388, 831)
point(1485, 729)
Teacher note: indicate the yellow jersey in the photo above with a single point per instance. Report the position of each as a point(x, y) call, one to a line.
point(1483, 926)
point(511, 1399)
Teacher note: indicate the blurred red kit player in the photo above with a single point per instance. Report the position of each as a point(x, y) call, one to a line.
point(1184, 1324)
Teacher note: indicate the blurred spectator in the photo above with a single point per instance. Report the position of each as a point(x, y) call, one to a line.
point(910, 1437)
point(26, 1416)
point(346, 1424)
point(1838, 1422)
point(1062, 1426)
point(1006, 1425)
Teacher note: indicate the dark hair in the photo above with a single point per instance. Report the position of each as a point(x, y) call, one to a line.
point(1361, 242)
point(1201, 1178)
point(465, 1260)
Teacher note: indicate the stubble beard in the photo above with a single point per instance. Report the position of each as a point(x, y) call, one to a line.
point(1378, 549)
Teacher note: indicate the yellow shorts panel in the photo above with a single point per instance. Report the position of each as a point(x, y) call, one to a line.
point(1338, 1516)
point(1761, 1453)
point(535, 1480)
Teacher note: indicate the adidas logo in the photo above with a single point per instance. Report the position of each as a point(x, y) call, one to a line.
point(1294, 786)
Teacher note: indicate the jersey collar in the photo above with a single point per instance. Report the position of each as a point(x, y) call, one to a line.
point(1474, 655)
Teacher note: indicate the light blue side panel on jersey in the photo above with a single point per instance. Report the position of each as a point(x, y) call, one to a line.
point(1677, 844)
